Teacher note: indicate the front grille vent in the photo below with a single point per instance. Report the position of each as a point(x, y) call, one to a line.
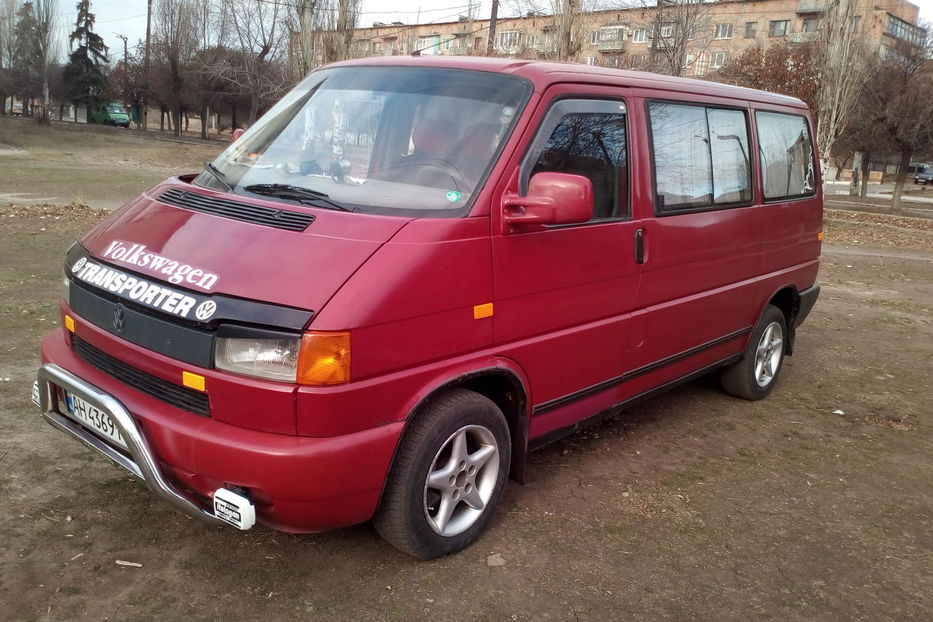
point(170, 393)
point(247, 212)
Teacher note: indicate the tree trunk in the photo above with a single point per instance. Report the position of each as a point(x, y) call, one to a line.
point(176, 114)
point(253, 107)
point(856, 172)
point(866, 172)
point(233, 124)
point(187, 120)
point(205, 120)
point(901, 177)
point(61, 111)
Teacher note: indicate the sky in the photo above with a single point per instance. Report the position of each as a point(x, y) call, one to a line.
point(128, 17)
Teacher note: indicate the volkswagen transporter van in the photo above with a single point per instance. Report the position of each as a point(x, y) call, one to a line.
point(412, 271)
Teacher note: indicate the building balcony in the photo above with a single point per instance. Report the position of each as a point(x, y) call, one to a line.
point(612, 45)
point(546, 48)
point(811, 6)
point(803, 37)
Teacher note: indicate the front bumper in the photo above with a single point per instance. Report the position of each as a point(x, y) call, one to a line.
point(297, 484)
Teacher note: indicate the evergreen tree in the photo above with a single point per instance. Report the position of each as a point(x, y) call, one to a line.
point(84, 76)
point(27, 76)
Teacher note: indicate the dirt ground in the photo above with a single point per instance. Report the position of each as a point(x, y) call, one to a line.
point(97, 166)
point(816, 503)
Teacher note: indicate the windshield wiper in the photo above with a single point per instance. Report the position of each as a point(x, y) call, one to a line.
point(298, 193)
point(218, 175)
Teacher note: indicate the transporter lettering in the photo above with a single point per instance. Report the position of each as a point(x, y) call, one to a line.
point(137, 290)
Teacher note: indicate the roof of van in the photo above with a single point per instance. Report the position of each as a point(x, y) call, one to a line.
point(545, 73)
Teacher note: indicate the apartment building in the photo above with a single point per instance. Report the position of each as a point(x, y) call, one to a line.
point(633, 38)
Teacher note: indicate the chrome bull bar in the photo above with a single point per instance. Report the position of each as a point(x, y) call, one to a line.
point(141, 462)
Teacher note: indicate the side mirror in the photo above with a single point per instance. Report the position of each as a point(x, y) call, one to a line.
point(552, 199)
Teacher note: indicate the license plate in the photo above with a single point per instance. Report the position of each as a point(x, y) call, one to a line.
point(92, 417)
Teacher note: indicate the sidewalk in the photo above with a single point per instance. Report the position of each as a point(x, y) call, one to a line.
point(876, 190)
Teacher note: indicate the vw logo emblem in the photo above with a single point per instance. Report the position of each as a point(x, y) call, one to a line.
point(119, 318)
point(205, 310)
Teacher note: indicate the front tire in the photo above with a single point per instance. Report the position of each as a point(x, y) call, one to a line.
point(753, 377)
point(449, 475)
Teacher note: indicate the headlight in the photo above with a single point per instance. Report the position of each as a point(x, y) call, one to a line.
point(275, 359)
point(315, 358)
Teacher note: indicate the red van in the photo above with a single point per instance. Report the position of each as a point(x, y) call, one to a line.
point(412, 271)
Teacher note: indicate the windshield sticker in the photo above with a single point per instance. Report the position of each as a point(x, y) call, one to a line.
point(136, 255)
point(141, 291)
point(453, 196)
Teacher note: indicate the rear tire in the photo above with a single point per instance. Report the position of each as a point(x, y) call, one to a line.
point(449, 475)
point(754, 376)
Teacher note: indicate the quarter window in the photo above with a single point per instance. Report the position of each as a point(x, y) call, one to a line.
point(786, 155)
point(700, 157)
point(587, 138)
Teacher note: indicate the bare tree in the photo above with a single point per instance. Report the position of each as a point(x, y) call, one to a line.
point(841, 57)
point(46, 47)
point(680, 32)
point(338, 19)
point(893, 112)
point(306, 16)
point(258, 34)
point(175, 44)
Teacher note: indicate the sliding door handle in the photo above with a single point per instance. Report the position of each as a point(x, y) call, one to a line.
point(640, 246)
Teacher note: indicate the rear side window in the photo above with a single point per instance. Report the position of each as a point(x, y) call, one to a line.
point(786, 156)
point(586, 137)
point(700, 157)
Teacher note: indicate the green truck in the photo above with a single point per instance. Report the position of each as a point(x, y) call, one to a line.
point(110, 113)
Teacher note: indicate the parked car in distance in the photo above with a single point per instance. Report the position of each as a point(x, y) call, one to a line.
point(110, 113)
point(924, 175)
point(410, 272)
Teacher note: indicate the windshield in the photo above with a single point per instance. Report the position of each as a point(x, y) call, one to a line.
point(116, 110)
point(388, 140)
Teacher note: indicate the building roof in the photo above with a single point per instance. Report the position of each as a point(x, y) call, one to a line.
point(545, 73)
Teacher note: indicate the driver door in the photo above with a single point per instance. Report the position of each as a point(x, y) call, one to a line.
point(564, 295)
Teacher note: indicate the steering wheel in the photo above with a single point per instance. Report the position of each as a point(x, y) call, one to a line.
point(430, 165)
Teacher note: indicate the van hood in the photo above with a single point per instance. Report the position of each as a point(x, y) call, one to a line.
point(207, 249)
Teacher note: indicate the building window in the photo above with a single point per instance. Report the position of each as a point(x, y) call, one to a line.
point(718, 60)
point(594, 37)
point(700, 157)
point(723, 31)
point(854, 22)
point(667, 30)
point(640, 36)
point(590, 60)
point(778, 28)
point(688, 60)
point(700, 65)
point(428, 46)
point(508, 40)
point(900, 29)
point(750, 29)
point(532, 41)
point(787, 168)
point(811, 24)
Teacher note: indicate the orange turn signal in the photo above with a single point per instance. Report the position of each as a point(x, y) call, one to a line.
point(324, 358)
point(70, 323)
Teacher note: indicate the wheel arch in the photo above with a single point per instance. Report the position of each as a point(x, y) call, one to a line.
point(787, 300)
point(506, 387)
